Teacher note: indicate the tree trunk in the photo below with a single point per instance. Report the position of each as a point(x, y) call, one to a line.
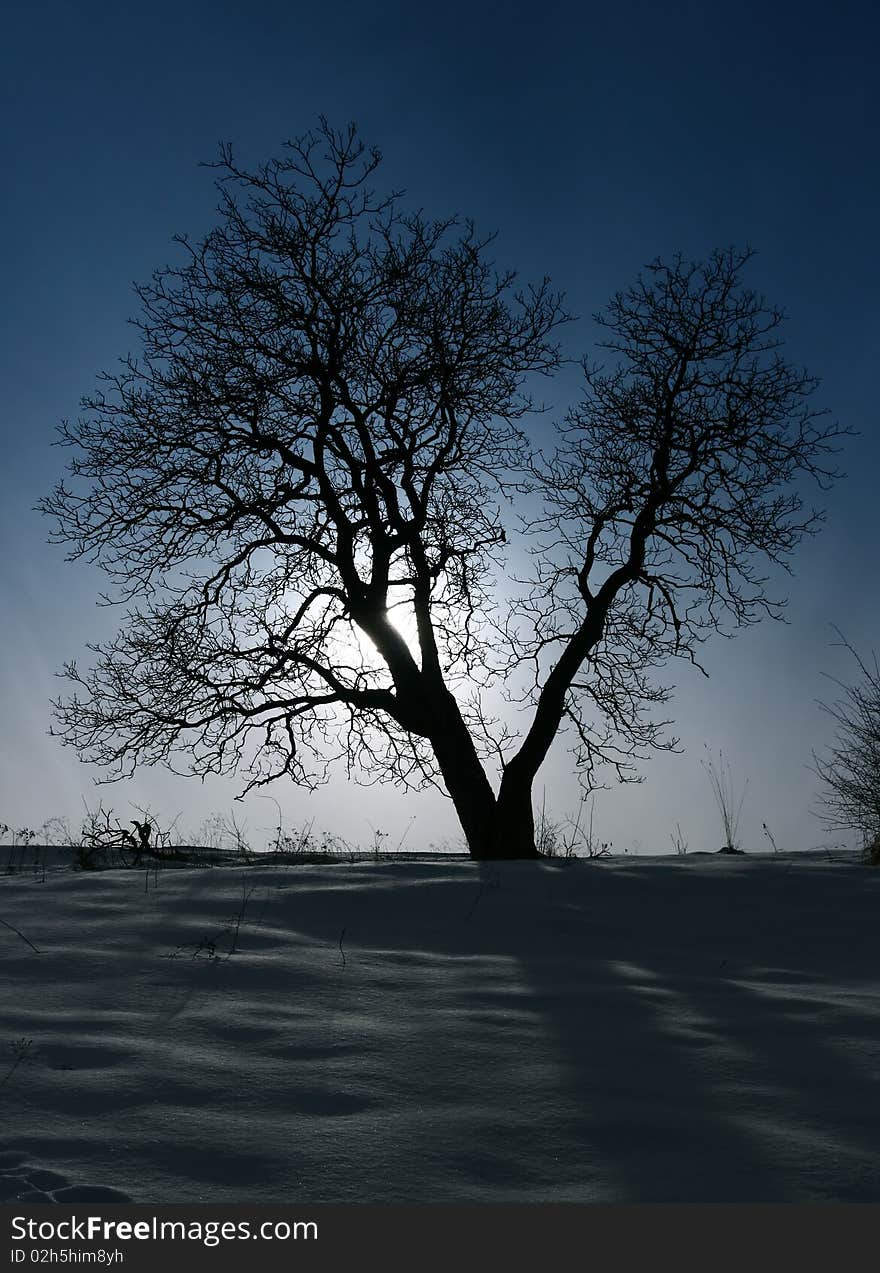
point(513, 824)
point(495, 829)
point(467, 784)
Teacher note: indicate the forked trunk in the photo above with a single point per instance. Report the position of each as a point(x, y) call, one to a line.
point(505, 832)
point(513, 824)
point(495, 828)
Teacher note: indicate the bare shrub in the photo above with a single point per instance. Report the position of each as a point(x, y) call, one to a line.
point(850, 770)
point(721, 782)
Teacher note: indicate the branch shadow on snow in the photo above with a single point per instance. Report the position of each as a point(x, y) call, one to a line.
point(679, 1031)
point(719, 1031)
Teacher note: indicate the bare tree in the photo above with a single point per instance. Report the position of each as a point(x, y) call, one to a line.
point(850, 769)
point(299, 493)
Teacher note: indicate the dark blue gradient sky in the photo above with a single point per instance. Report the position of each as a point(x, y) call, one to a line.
point(594, 138)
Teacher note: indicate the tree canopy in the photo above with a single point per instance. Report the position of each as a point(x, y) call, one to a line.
point(301, 492)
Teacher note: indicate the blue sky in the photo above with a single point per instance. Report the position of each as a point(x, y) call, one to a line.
point(593, 138)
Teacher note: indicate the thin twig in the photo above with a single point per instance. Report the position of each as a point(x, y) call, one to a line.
point(18, 931)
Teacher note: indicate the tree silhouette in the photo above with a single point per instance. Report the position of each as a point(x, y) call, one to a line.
point(850, 769)
point(300, 490)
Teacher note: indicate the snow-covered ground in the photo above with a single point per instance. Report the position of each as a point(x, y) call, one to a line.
point(651, 1030)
